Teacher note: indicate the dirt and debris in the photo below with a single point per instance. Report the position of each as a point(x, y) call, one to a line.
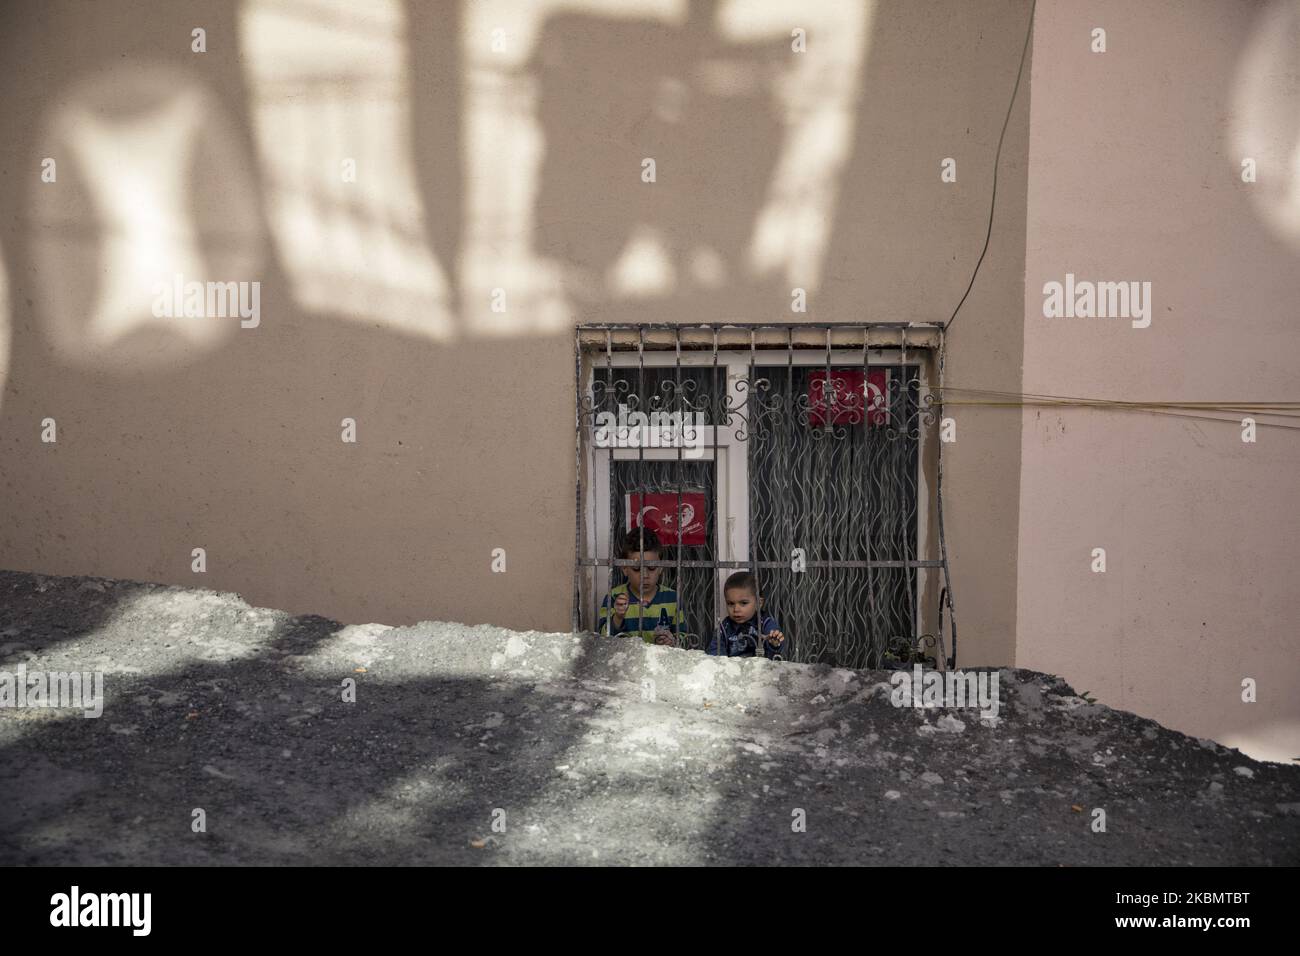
point(228, 737)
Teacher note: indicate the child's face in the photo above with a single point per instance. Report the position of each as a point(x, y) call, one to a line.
point(641, 581)
point(742, 604)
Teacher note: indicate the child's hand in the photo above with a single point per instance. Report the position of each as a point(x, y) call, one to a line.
point(775, 638)
point(620, 606)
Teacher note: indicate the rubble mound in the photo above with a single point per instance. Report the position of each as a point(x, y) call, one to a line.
point(232, 734)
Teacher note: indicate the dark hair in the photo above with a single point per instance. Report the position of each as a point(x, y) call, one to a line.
point(640, 539)
point(742, 580)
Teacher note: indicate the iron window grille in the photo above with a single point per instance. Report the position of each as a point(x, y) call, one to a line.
point(815, 452)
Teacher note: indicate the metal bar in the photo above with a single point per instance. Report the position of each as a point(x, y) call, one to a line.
point(751, 402)
point(830, 403)
point(610, 390)
point(908, 535)
point(938, 498)
point(808, 326)
point(721, 417)
point(798, 581)
point(873, 642)
point(640, 490)
point(575, 622)
point(677, 517)
point(770, 346)
point(626, 562)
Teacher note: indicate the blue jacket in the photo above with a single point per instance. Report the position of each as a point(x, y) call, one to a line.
point(743, 640)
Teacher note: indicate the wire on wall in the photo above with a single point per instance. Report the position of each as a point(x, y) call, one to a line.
point(1201, 410)
point(997, 161)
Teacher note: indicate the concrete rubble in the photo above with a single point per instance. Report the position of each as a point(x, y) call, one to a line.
point(478, 745)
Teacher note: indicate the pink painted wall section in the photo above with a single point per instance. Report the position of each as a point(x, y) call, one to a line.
point(1135, 174)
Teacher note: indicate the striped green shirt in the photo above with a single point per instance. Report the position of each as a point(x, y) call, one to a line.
point(642, 616)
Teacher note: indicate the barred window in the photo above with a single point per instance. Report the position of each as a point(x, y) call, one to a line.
point(808, 454)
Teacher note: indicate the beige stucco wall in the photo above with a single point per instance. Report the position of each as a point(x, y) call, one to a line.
point(1134, 173)
point(477, 169)
point(233, 444)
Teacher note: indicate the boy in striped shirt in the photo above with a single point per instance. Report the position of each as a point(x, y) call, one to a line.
point(640, 607)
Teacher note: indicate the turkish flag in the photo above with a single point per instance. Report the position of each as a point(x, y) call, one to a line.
point(657, 510)
point(852, 391)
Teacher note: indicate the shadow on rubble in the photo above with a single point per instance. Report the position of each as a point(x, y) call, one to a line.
point(39, 611)
point(283, 770)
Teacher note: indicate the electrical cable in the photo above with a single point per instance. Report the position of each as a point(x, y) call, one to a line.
point(997, 398)
point(997, 159)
